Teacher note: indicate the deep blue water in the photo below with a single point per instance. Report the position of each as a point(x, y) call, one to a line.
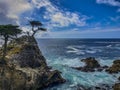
point(62, 54)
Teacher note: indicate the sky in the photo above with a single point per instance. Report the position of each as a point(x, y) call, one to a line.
point(65, 18)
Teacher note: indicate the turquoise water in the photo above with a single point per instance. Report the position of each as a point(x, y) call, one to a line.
point(62, 54)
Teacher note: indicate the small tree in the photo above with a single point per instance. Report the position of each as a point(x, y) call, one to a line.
point(8, 32)
point(36, 26)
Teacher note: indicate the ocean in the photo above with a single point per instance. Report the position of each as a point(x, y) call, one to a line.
point(63, 54)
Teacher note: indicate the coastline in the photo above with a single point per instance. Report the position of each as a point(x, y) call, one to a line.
point(26, 67)
point(26, 58)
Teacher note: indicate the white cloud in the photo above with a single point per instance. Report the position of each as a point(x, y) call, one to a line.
point(58, 17)
point(110, 2)
point(118, 10)
point(11, 9)
point(115, 19)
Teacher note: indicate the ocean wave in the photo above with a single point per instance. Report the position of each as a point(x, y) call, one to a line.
point(117, 45)
point(97, 49)
point(76, 46)
point(90, 51)
point(74, 62)
point(106, 61)
point(76, 77)
point(75, 49)
point(109, 46)
point(82, 50)
point(78, 52)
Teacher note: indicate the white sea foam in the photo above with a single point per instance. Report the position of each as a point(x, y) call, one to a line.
point(107, 62)
point(91, 51)
point(76, 77)
point(81, 50)
point(76, 50)
point(75, 46)
point(109, 46)
point(96, 49)
point(117, 45)
point(66, 62)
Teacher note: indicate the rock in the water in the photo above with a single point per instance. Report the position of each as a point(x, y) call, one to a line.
point(98, 87)
point(115, 68)
point(26, 67)
point(91, 62)
point(91, 65)
point(101, 87)
point(119, 78)
point(116, 86)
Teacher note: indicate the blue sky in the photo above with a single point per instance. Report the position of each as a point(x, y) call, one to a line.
point(66, 18)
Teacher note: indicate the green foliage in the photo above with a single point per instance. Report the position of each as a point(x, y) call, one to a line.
point(9, 30)
point(35, 23)
point(38, 25)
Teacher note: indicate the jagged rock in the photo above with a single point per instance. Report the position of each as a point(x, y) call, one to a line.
point(115, 68)
point(116, 86)
point(91, 65)
point(26, 67)
point(119, 78)
point(101, 87)
point(91, 62)
point(12, 79)
point(26, 54)
point(97, 87)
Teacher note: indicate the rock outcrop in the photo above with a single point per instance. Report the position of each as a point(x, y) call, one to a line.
point(119, 78)
point(97, 87)
point(26, 67)
point(91, 64)
point(115, 68)
point(116, 86)
point(101, 87)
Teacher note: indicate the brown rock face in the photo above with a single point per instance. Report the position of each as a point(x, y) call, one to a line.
point(26, 67)
point(26, 53)
point(115, 68)
point(91, 62)
point(90, 65)
point(119, 78)
point(116, 86)
point(11, 79)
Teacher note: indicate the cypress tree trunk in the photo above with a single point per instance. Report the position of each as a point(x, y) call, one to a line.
point(5, 47)
point(33, 31)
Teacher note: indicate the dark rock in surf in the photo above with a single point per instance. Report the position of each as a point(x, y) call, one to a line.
point(116, 86)
point(91, 62)
point(101, 87)
point(91, 65)
point(115, 68)
point(119, 78)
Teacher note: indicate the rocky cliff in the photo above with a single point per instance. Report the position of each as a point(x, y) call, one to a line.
point(26, 67)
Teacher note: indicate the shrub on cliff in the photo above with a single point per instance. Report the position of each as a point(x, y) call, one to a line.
point(8, 32)
point(36, 27)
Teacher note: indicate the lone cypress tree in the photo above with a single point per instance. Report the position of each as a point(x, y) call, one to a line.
point(38, 25)
point(8, 32)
